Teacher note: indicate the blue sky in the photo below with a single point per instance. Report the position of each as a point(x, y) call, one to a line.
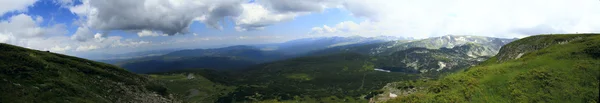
point(53, 13)
point(82, 27)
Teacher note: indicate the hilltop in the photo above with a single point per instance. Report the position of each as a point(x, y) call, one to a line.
point(543, 68)
point(40, 76)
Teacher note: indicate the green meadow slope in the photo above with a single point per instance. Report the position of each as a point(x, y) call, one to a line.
point(193, 87)
point(543, 68)
point(32, 76)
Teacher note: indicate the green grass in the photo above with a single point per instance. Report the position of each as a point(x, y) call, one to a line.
point(300, 76)
point(37, 76)
point(346, 76)
point(562, 73)
point(194, 90)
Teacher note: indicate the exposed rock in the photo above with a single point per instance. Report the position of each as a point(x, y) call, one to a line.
point(515, 50)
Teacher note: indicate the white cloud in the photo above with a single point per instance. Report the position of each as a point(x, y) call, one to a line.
point(167, 16)
point(145, 33)
point(22, 25)
point(14, 5)
point(499, 18)
point(295, 6)
point(174, 16)
point(348, 28)
point(86, 48)
point(256, 17)
point(64, 3)
point(83, 34)
point(24, 30)
point(59, 49)
point(7, 38)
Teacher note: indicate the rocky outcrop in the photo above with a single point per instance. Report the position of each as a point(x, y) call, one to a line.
point(521, 47)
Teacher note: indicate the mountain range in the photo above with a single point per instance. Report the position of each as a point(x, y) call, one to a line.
point(542, 68)
point(244, 56)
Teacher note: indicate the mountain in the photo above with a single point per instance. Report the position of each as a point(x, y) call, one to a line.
point(543, 68)
point(239, 56)
point(240, 51)
point(187, 64)
point(104, 57)
point(346, 76)
point(194, 87)
point(449, 41)
point(423, 60)
point(305, 45)
point(40, 76)
point(432, 55)
point(227, 58)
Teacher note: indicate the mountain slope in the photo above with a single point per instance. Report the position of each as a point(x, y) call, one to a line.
point(228, 58)
point(449, 41)
point(544, 68)
point(423, 60)
point(37, 76)
point(240, 51)
point(306, 45)
point(193, 87)
point(347, 75)
point(187, 64)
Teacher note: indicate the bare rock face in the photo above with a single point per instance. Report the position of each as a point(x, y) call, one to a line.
point(515, 50)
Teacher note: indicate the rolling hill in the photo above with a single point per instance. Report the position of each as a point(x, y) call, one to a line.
point(543, 68)
point(39, 76)
point(228, 58)
point(347, 76)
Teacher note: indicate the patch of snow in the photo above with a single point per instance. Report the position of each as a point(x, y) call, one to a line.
point(343, 43)
point(424, 71)
point(422, 51)
point(442, 66)
point(519, 56)
point(190, 76)
point(382, 70)
point(461, 39)
point(470, 54)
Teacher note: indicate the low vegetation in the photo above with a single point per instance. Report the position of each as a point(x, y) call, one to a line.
point(32, 76)
point(565, 70)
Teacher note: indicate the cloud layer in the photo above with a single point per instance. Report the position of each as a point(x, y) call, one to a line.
point(499, 18)
point(14, 5)
point(151, 19)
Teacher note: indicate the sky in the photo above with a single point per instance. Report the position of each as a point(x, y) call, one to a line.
point(84, 27)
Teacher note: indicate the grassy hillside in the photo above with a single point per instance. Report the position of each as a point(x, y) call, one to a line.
point(544, 68)
point(432, 61)
point(193, 87)
point(33, 76)
point(341, 76)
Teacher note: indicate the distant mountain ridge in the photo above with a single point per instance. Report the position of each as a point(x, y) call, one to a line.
point(478, 47)
point(449, 41)
point(423, 60)
point(305, 45)
point(543, 68)
point(241, 55)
